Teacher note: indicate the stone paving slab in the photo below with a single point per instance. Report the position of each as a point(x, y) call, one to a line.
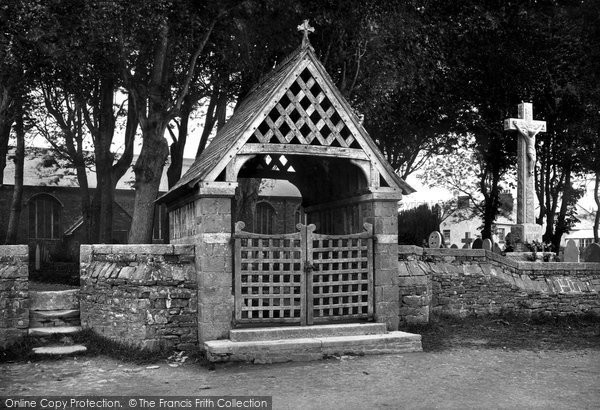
point(291, 332)
point(59, 349)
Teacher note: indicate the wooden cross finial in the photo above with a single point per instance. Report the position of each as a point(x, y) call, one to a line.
point(306, 28)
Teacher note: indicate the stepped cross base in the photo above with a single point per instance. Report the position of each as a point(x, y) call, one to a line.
point(525, 233)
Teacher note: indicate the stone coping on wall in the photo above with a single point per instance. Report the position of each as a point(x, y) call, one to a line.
point(87, 251)
point(9, 251)
point(138, 264)
point(538, 267)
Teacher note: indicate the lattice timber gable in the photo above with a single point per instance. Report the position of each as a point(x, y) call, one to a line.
point(303, 277)
point(305, 116)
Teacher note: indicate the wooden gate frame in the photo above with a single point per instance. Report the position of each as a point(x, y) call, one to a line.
point(297, 305)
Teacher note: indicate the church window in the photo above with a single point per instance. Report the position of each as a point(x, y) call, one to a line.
point(265, 218)
point(44, 217)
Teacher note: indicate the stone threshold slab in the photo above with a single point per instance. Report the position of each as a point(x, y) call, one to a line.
point(53, 314)
point(306, 349)
point(47, 331)
point(59, 349)
point(295, 332)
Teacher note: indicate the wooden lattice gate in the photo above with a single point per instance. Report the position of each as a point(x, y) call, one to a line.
point(303, 277)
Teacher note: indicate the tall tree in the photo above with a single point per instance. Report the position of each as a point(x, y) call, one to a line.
point(167, 41)
point(81, 58)
point(17, 69)
point(16, 203)
point(67, 134)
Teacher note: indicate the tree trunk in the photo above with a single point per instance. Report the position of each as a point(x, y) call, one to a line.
point(178, 146)
point(597, 199)
point(148, 171)
point(246, 196)
point(84, 193)
point(540, 184)
point(561, 224)
point(6, 120)
point(492, 203)
point(15, 208)
point(209, 120)
point(5, 125)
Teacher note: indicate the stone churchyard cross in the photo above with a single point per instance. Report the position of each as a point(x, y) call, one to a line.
point(467, 240)
point(526, 229)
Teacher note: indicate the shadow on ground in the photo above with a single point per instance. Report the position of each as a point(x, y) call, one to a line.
point(509, 332)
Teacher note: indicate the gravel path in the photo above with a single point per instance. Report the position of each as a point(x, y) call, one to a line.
point(455, 378)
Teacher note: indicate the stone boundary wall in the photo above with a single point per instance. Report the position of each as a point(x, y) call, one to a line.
point(14, 293)
point(463, 282)
point(142, 295)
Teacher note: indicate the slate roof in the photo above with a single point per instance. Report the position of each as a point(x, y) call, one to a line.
point(254, 104)
point(43, 167)
point(241, 118)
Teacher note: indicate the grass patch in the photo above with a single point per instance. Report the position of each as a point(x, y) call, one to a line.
point(509, 332)
point(19, 351)
point(96, 344)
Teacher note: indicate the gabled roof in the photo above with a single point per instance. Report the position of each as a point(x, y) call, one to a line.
point(44, 167)
point(268, 115)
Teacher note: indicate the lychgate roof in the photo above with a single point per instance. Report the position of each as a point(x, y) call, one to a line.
point(296, 105)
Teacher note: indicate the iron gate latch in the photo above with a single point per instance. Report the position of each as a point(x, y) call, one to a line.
point(309, 267)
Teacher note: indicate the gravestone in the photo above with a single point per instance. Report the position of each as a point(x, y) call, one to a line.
point(526, 230)
point(508, 240)
point(435, 240)
point(454, 246)
point(496, 248)
point(571, 252)
point(592, 253)
point(467, 240)
point(487, 244)
point(477, 244)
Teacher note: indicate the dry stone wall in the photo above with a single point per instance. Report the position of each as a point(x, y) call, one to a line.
point(143, 295)
point(14, 294)
point(463, 282)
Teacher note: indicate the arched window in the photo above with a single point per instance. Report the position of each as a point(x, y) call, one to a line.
point(44, 217)
point(299, 217)
point(265, 218)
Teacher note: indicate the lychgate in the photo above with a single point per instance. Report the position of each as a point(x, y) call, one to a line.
point(341, 262)
point(303, 278)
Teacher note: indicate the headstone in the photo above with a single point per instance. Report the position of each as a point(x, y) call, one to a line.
point(571, 252)
point(435, 240)
point(477, 244)
point(592, 253)
point(496, 248)
point(467, 240)
point(487, 244)
point(454, 246)
point(526, 228)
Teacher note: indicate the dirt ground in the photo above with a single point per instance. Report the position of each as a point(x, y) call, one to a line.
point(473, 364)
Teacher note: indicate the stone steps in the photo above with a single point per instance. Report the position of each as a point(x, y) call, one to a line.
point(55, 313)
point(271, 345)
point(48, 331)
point(59, 349)
point(291, 332)
point(53, 318)
point(54, 300)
